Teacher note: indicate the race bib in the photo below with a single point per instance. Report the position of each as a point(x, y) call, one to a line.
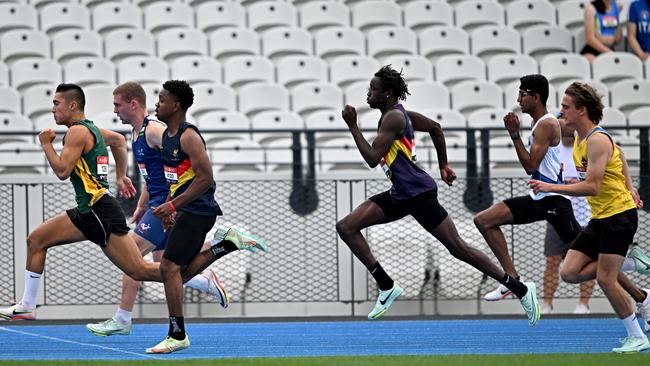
point(385, 168)
point(143, 170)
point(170, 174)
point(102, 166)
point(582, 174)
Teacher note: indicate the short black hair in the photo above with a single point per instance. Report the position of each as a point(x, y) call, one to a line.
point(537, 84)
point(393, 80)
point(182, 91)
point(73, 92)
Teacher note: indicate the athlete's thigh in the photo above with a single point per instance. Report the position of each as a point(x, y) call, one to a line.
point(157, 255)
point(496, 215)
point(575, 261)
point(367, 214)
point(144, 245)
point(124, 253)
point(57, 230)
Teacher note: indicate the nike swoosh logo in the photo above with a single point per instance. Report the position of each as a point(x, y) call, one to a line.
point(32, 276)
point(21, 312)
point(383, 302)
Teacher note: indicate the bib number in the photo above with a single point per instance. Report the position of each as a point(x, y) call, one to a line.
point(102, 166)
point(582, 174)
point(143, 170)
point(385, 168)
point(170, 174)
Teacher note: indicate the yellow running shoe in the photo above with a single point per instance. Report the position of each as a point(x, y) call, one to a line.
point(169, 345)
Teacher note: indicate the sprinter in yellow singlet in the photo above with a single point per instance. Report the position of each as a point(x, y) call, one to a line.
point(599, 250)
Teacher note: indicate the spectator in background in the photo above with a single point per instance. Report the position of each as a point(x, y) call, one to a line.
point(638, 28)
point(602, 28)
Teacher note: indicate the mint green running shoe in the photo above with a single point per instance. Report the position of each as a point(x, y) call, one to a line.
point(530, 304)
point(632, 344)
point(109, 327)
point(385, 300)
point(641, 260)
point(244, 240)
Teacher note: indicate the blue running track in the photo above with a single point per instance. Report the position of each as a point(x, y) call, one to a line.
point(346, 338)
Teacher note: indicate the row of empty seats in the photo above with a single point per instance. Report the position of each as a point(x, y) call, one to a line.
point(269, 126)
point(264, 15)
point(308, 96)
point(608, 68)
point(485, 42)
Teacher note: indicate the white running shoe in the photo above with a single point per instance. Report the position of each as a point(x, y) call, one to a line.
point(581, 309)
point(215, 288)
point(17, 312)
point(644, 309)
point(546, 308)
point(499, 294)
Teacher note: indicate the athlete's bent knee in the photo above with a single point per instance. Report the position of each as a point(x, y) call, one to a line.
point(568, 275)
point(343, 227)
point(34, 244)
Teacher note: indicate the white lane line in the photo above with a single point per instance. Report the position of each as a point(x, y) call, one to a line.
point(80, 343)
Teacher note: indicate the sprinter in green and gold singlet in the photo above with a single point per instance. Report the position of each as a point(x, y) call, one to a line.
point(599, 250)
point(97, 216)
point(90, 175)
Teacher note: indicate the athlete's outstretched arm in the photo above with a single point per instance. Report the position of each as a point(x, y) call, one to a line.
point(599, 150)
point(75, 140)
point(425, 124)
point(391, 125)
point(194, 147)
point(117, 142)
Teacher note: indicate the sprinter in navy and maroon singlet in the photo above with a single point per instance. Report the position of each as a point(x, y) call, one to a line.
point(413, 191)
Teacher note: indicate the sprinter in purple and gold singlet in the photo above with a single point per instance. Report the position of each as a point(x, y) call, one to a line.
point(413, 191)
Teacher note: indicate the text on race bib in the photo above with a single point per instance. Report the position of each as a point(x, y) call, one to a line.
point(170, 174)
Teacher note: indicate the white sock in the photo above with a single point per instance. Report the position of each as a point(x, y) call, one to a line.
point(632, 326)
point(628, 265)
point(32, 281)
point(198, 282)
point(123, 316)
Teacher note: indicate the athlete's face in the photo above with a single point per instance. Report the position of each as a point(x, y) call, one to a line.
point(123, 109)
point(526, 100)
point(376, 96)
point(166, 105)
point(62, 109)
point(569, 111)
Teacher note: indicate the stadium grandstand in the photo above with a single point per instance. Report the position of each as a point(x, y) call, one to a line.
point(270, 80)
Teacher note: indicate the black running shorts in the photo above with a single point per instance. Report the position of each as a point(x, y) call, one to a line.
point(187, 236)
point(105, 218)
point(557, 210)
point(424, 207)
point(611, 235)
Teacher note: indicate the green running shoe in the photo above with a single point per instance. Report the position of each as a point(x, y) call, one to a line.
point(641, 260)
point(109, 327)
point(385, 300)
point(244, 241)
point(169, 345)
point(632, 344)
point(530, 304)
